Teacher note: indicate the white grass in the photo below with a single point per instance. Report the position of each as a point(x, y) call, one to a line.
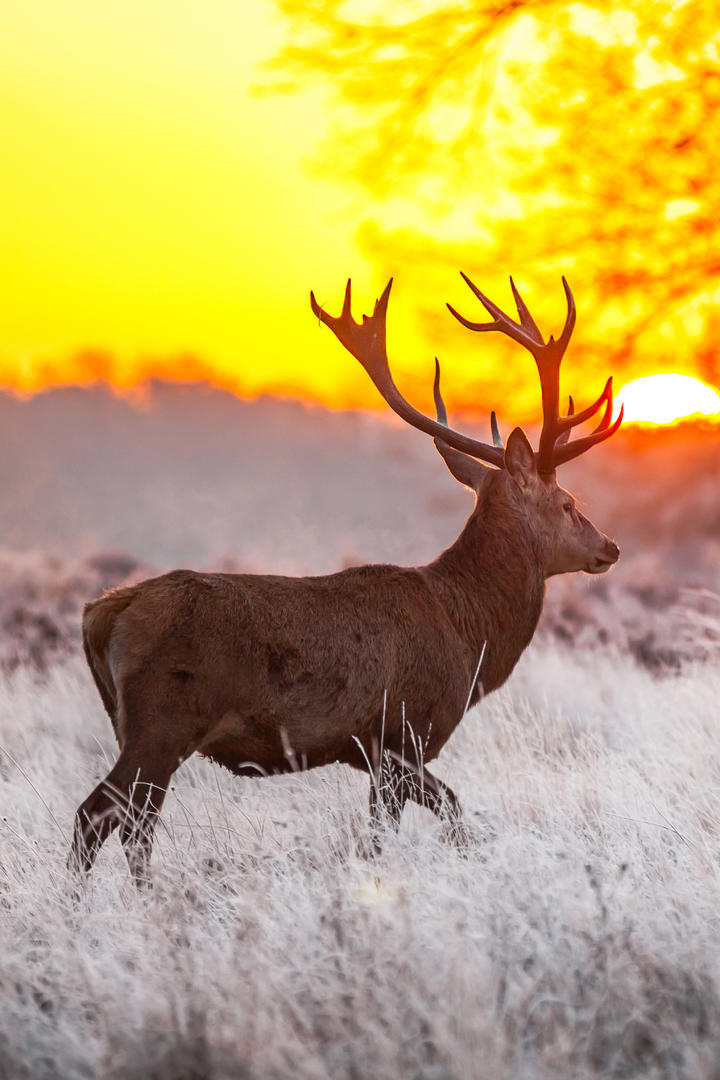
point(582, 940)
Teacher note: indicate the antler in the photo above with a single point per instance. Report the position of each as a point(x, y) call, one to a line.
point(366, 342)
point(554, 448)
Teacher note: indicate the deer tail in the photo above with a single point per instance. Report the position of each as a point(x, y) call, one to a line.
point(97, 626)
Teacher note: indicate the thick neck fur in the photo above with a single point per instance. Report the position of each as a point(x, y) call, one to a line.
point(491, 581)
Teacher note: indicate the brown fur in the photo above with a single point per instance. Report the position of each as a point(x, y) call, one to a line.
point(372, 666)
point(98, 620)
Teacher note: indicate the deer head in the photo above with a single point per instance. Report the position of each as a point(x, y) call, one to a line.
point(525, 479)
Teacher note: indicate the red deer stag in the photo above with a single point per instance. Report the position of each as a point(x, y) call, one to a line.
point(265, 674)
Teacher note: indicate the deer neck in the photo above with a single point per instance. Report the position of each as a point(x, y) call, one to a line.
point(492, 585)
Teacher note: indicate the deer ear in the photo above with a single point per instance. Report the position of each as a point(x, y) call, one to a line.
point(468, 470)
point(520, 457)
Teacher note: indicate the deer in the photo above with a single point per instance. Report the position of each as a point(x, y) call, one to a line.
point(266, 674)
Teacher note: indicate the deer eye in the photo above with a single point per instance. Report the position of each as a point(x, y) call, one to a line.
point(568, 507)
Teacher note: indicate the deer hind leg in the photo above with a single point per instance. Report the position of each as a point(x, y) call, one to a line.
point(99, 815)
point(137, 827)
point(130, 797)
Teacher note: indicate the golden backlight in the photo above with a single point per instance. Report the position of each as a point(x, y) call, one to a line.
point(159, 218)
point(157, 214)
point(663, 399)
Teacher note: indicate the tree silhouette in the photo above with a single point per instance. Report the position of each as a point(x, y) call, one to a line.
point(534, 138)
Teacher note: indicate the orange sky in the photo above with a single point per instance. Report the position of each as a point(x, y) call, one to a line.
point(154, 206)
point(160, 217)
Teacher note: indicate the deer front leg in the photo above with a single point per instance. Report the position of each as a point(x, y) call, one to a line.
point(137, 828)
point(418, 783)
point(426, 790)
point(388, 795)
point(399, 780)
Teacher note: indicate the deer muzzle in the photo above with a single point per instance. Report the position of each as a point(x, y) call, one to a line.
point(608, 557)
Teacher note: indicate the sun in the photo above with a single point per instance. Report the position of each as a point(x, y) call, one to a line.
point(662, 399)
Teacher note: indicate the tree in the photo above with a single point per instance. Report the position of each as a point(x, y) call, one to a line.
point(534, 138)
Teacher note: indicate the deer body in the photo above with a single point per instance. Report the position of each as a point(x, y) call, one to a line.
point(373, 666)
point(265, 673)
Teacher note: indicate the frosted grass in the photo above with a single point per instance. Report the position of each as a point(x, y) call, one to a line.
point(581, 939)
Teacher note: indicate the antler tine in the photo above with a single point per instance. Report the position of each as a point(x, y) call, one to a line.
point(347, 300)
point(606, 417)
point(579, 446)
point(437, 396)
point(526, 333)
point(563, 438)
point(496, 436)
point(569, 326)
point(565, 423)
point(556, 429)
point(366, 341)
point(554, 447)
point(442, 411)
point(526, 320)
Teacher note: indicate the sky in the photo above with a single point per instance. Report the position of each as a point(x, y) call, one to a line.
point(165, 213)
point(156, 206)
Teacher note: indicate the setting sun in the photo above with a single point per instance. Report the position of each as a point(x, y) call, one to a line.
point(662, 399)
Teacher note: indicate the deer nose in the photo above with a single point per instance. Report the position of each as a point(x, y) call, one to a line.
point(612, 551)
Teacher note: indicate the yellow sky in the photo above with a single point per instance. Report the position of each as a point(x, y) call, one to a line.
point(154, 205)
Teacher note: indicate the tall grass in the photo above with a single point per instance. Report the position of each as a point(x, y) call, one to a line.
point(581, 939)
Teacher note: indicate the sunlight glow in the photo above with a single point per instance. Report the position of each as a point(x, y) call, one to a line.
point(160, 219)
point(663, 399)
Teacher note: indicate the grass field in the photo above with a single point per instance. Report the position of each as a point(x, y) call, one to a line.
point(578, 937)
